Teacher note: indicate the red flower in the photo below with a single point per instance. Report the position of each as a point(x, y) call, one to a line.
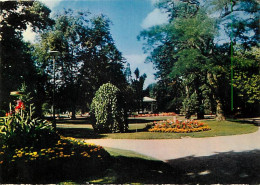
point(20, 105)
point(8, 114)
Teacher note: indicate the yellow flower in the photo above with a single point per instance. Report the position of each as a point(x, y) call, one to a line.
point(19, 155)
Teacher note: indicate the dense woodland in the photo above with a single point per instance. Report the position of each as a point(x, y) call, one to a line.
point(207, 57)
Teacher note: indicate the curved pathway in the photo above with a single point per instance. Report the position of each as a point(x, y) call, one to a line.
point(168, 149)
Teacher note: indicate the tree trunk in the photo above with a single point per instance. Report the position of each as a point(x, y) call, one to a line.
point(200, 109)
point(73, 116)
point(200, 114)
point(219, 111)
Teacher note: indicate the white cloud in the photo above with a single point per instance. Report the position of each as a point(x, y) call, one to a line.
point(156, 17)
point(135, 61)
point(51, 3)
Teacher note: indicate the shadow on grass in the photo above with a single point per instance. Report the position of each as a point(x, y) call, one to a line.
point(79, 120)
point(230, 167)
point(136, 120)
point(245, 121)
point(135, 170)
point(85, 133)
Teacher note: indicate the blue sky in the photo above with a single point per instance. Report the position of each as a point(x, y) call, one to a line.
point(128, 17)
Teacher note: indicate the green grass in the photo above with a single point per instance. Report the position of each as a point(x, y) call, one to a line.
point(128, 167)
point(132, 168)
point(137, 129)
point(127, 153)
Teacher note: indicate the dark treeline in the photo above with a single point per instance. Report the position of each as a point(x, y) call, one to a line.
point(192, 54)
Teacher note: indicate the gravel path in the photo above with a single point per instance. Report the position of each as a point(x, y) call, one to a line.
point(169, 149)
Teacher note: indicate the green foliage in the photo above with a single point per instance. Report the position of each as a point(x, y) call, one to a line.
point(16, 64)
point(190, 105)
point(187, 50)
point(18, 132)
point(21, 130)
point(88, 58)
point(246, 80)
point(107, 110)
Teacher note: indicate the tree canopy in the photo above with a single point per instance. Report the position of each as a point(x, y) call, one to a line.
point(187, 50)
point(16, 65)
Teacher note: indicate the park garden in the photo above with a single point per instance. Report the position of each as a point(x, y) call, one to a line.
point(74, 84)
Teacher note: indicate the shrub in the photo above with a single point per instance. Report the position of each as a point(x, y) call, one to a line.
point(107, 110)
point(179, 126)
point(19, 131)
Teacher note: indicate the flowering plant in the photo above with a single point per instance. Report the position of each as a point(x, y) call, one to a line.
point(67, 155)
point(19, 106)
point(179, 126)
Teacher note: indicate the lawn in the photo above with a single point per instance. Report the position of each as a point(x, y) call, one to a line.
point(128, 167)
point(83, 129)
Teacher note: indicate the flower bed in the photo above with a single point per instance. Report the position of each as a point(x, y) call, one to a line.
point(152, 115)
point(66, 158)
point(179, 126)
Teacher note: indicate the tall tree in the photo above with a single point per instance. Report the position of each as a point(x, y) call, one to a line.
point(187, 38)
point(16, 65)
point(102, 61)
point(194, 54)
point(138, 85)
point(64, 37)
point(88, 58)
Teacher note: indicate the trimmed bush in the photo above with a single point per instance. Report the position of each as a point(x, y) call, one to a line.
point(107, 110)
